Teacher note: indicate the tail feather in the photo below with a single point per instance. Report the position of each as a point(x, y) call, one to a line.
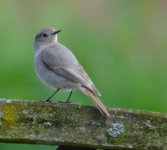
point(97, 101)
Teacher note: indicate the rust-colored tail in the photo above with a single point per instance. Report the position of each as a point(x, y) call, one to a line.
point(97, 101)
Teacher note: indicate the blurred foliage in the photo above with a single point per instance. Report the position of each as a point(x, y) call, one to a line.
point(121, 44)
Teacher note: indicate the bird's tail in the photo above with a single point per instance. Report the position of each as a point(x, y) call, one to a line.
point(100, 106)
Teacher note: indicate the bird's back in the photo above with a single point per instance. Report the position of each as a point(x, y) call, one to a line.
point(59, 56)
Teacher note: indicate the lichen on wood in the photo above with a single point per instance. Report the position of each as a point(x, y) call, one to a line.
point(37, 122)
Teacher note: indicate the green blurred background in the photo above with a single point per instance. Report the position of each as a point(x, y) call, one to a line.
point(121, 43)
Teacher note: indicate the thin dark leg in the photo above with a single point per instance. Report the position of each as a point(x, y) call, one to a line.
point(52, 95)
point(68, 99)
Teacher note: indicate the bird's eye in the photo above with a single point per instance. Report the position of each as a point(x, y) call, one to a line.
point(44, 35)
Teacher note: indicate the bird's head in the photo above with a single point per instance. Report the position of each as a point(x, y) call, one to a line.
point(46, 36)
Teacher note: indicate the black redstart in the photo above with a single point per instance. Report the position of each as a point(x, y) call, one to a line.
point(58, 68)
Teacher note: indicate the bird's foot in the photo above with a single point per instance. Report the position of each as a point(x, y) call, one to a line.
point(47, 101)
point(65, 102)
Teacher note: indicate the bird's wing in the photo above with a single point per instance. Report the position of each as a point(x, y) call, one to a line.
point(63, 72)
point(68, 67)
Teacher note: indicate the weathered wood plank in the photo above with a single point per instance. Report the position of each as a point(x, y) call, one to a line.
point(36, 122)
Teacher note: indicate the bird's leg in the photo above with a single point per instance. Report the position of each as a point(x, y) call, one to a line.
point(68, 99)
point(49, 98)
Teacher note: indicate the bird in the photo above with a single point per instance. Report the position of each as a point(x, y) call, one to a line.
point(57, 67)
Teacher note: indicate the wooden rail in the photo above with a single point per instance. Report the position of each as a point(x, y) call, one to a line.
point(36, 122)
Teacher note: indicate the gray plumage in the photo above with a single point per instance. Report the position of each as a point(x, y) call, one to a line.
point(58, 68)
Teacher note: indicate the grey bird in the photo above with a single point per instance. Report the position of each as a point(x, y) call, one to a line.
point(58, 68)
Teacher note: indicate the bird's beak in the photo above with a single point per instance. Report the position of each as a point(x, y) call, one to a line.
point(56, 32)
